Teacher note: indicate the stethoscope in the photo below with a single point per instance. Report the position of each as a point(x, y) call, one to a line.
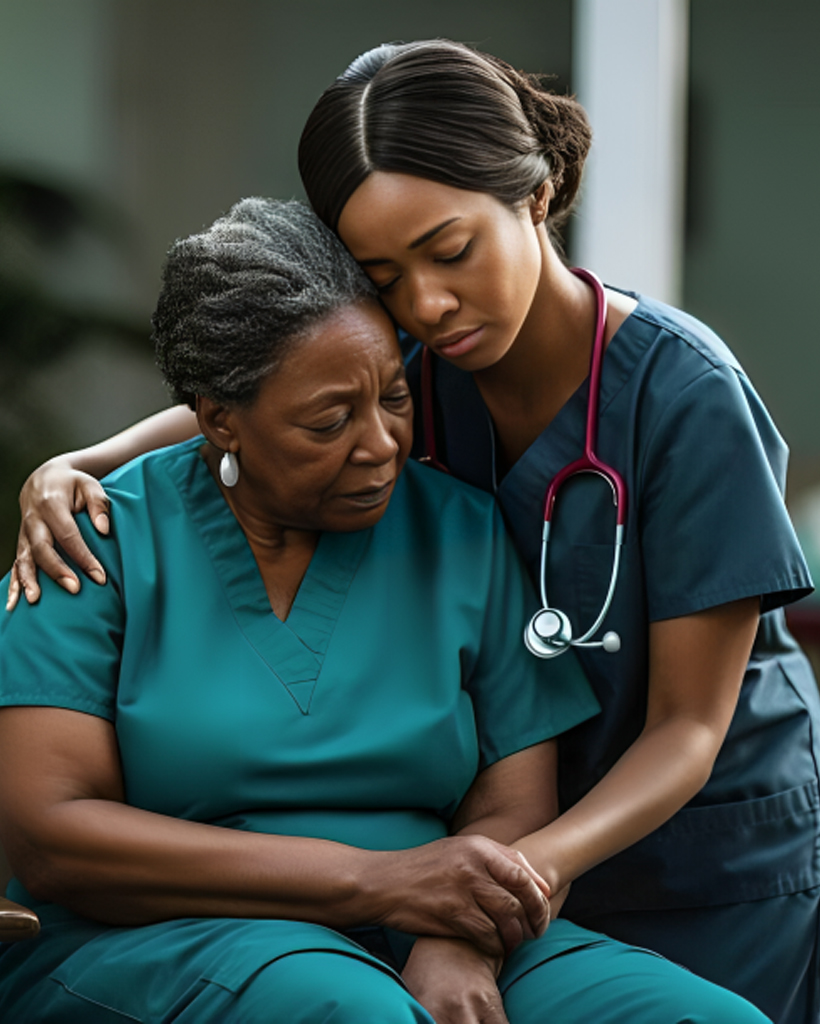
point(549, 631)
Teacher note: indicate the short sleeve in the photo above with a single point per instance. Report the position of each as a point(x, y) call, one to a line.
point(65, 650)
point(714, 526)
point(520, 700)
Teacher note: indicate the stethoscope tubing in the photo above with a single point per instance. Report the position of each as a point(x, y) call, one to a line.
point(588, 462)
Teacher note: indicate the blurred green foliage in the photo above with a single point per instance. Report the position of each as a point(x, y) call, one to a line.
point(41, 321)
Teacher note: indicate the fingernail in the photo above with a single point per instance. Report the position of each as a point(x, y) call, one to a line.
point(70, 584)
point(101, 522)
point(97, 575)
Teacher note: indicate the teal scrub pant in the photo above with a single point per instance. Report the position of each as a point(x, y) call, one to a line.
point(599, 980)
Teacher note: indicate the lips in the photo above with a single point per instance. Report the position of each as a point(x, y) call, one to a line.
point(370, 496)
point(457, 343)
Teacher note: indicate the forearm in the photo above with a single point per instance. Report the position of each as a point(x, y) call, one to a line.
point(164, 428)
point(696, 668)
point(122, 865)
point(503, 828)
point(665, 767)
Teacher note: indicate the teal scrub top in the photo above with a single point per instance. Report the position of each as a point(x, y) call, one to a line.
point(706, 524)
point(362, 718)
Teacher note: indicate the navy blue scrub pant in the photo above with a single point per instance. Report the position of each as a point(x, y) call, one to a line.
point(768, 950)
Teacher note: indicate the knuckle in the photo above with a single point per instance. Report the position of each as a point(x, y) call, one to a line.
point(508, 911)
point(25, 571)
point(40, 548)
point(51, 502)
point(482, 926)
point(450, 906)
point(65, 532)
point(28, 517)
point(473, 844)
point(485, 1001)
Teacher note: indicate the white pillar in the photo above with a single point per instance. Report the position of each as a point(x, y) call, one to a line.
point(630, 72)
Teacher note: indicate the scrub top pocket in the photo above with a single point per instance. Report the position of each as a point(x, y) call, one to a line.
point(744, 851)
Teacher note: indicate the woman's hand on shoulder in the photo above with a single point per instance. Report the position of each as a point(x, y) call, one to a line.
point(454, 982)
point(49, 501)
point(466, 887)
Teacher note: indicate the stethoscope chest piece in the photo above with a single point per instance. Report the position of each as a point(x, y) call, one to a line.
point(548, 633)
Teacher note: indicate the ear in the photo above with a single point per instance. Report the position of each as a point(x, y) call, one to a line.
point(217, 424)
point(540, 202)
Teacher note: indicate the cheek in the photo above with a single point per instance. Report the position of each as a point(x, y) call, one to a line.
point(509, 272)
point(520, 274)
point(400, 427)
point(404, 438)
point(302, 474)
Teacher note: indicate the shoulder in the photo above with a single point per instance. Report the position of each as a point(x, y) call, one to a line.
point(443, 520)
point(154, 477)
point(142, 492)
point(151, 470)
point(423, 488)
point(668, 360)
point(672, 335)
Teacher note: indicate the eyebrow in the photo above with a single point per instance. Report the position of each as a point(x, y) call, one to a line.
point(339, 392)
point(415, 243)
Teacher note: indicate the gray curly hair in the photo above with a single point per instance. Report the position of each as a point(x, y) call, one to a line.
point(236, 297)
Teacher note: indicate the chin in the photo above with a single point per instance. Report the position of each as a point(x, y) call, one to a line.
point(359, 522)
point(475, 361)
point(359, 519)
point(482, 357)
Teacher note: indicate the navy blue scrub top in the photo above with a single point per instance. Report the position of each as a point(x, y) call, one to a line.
point(706, 524)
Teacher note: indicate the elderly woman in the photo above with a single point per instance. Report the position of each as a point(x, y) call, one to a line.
point(227, 777)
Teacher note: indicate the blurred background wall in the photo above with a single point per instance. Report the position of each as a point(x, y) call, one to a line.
point(127, 123)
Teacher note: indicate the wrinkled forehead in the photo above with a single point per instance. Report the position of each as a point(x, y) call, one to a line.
point(353, 336)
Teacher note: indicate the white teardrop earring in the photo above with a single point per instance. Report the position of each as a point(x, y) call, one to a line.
point(229, 469)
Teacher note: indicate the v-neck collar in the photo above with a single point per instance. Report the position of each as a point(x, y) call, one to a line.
point(468, 433)
point(561, 441)
point(294, 650)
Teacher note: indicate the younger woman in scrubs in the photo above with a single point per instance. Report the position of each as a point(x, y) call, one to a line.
point(691, 805)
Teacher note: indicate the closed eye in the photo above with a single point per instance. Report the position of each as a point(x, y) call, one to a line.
point(336, 425)
point(382, 288)
point(458, 256)
point(398, 399)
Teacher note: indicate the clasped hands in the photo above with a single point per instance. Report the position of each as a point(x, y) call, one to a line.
point(472, 901)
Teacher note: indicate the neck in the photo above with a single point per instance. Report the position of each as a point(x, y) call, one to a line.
point(270, 540)
point(551, 351)
point(546, 363)
point(282, 553)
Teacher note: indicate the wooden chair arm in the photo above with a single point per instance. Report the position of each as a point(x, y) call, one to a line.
point(16, 922)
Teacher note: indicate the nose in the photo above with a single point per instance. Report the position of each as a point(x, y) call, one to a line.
point(376, 444)
point(430, 300)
